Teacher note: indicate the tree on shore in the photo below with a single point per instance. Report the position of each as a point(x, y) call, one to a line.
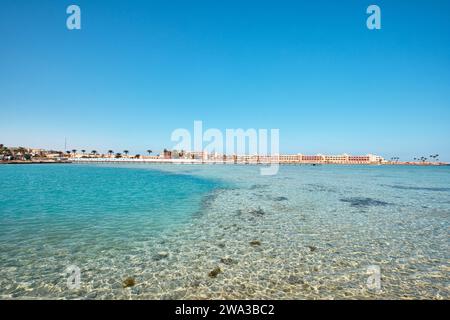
point(149, 152)
point(435, 157)
point(110, 152)
point(4, 151)
point(126, 152)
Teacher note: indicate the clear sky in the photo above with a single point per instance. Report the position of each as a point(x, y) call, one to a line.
point(137, 70)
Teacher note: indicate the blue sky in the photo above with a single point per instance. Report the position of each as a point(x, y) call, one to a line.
point(140, 69)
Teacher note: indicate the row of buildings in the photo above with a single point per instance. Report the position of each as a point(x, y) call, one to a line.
point(202, 156)
point(26, 154)
point(289, 158)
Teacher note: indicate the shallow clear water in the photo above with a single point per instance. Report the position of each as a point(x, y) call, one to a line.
point(305, 233)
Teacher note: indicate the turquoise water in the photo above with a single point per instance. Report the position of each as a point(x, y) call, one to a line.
point(51, 215)
point(305, 233)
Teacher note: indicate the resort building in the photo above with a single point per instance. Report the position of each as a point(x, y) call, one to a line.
point(313, 159)
point(346, 159)
point(284, 158)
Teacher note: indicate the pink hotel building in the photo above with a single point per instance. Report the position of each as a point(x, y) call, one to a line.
point(297, 158)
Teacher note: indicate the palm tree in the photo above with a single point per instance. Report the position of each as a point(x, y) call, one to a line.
point(110, 152)
point(149, 152)
point(118, 155)
point(126, 152)
point(22, 150)
point(6, 152)
point(83, 152)
point(94, 152)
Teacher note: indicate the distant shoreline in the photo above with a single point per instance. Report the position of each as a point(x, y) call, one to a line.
point(218, 162)
point(34, 162)
point(198, 161)
point(213, 162)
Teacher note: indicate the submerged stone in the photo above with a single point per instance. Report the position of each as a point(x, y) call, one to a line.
point(214, 272)
point(128, 282)
point(227, 260)
point(364, 202)
point(258, 211)
point(294, 280)
point(255, 243)
point(306, 286)
point(258, 186)
point(163, 254)
point(160, 255)
point(312, 248)
point(280, 199)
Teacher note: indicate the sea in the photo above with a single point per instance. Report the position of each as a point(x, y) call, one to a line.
point(168, 231)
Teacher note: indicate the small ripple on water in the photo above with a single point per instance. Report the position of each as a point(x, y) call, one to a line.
point(400, 187)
